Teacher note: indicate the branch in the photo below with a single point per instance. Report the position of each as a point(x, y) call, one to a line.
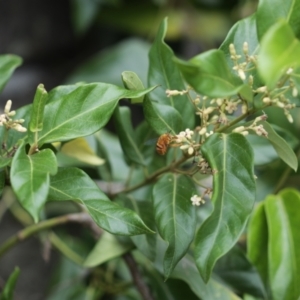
point(32, 229)
point(137, 277)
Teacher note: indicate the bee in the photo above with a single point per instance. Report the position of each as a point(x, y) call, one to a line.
point(163, 143)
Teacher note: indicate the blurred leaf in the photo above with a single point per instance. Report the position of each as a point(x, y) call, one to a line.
point(82, 112)
point(231, 158)
point(108, 146)
point(279, 51)
point(283, 220)
point(123, 126)
point(108, 65)
point(270, 12)
point(5, 161)
point(37, 112)
point(164, 71)
point(236, 270)
point(174, 216)
point(84, 13)
point(162, 118)
point(2, 182)
point(209, 74)
point(131, 81)
point(258, 241)
point(107, 247)
point(8, 290)
point(74, 184)
point(8, 63)
point(30, 178)
point(80, 149)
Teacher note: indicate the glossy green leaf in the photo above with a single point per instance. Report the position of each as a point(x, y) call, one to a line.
point(132, 82)
point(283, 149)
point(271, 11)
point(283, 220)
point(107, 248)
point(164, 71)
point(8, 63)
point(279, 51)
point(74, 184)
point(162, 118)
point(209, 74)
point(107, 66)
point(123, 126)
point(37, 111)
point(231, 158)
point(2, 181)
point(8, 290)
point(175, 216)
point(30, 178)
point(236, 271)
point(82, 112)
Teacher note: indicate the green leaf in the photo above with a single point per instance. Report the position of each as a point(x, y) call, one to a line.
point(231, 158)
point(30, 178)
point(8, 63)
point(175, 216)
point(106, 66)
point(123, 126)
point(107, 248)
point(279, 51)
point(2, 181)
point(162, 118)
point(209, 74)
point(37, 112)
point(271, 11)
point(283, 149)
point(132, 82)
point(164, 71)
point(82, 112)
point(8, 290)
point(5, 161)
point(283, 248)
point(74, 184)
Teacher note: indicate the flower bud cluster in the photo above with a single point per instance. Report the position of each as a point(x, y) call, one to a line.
point(171, 93)
point(241, 67)
point(8, 122)
point(185, 139)
point(197, 200)
point(258, 129)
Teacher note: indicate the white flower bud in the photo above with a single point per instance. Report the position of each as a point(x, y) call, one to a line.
point(295, 92)
point(190, 150)
point(7, 106)
point(202, 130)
point(239, 129)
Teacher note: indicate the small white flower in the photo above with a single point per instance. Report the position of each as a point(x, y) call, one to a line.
point(189, 133)
point(197, 200)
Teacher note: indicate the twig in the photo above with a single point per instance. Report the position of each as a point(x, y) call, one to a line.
point(137, 277)
point(32, 229)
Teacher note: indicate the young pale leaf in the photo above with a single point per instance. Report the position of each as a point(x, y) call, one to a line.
point(270, 11)
point(82, 112)
point(37, 111)
point(164, 71)
point(8, 290)
point(279, 51)
point(231, 158)
point(132, 82)
point(162, 118)
point(209, 74)
point(74, 184)
point(107, 248)
point(122, 119)
point(81, 150)
point(30, 178)
point(175, 216)
point(283, 149)
point(283, 220)
point(8, 63)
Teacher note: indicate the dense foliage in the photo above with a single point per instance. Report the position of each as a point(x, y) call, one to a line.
point(224, 114)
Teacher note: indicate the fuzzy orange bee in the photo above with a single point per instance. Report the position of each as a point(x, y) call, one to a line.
point(163, 143)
